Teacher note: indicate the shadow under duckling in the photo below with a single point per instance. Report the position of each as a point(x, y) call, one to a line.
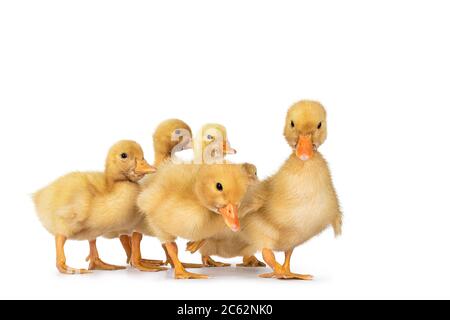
point(87, 205)
point(193, 202)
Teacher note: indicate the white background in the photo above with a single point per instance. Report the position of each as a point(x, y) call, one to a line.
point(77, 76)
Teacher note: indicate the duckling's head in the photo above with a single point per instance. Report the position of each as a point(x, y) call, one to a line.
point(171, 136)
point(252, 172)
point(214, 134)
point(126, 161)
point(221, 188)
point(306, 128)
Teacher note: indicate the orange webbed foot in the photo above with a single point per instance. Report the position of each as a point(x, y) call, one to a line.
point(286, 276)
point(251, 262)
point(208, 262)
point(64, 269)
point(98, 264)
point(188, 275)
point(194, 246)
point(139, 265)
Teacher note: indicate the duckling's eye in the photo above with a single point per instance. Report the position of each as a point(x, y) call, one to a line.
point(210, 137)
point(219, 187)
point(124, 155)
point(292, 124)
point(320, 125)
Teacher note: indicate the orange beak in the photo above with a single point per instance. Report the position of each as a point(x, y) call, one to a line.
point(230, 216)
point(227, 149)
point(304, 148)
point(142, 167)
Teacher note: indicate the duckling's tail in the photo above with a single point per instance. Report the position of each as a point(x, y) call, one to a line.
point(337, 225)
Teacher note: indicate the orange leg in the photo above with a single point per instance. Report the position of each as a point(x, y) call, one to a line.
point(287, 260)
point(282, 272)
point(136, 258)
point(126, 244)
point(96, 263)
point(186, 265)
point(251, 262)
point(180, 271)
point(60, 241)
point(210, 263)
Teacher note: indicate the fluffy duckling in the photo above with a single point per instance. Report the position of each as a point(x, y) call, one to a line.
point(171, 136)
point(229, 244)
point(84, 206)
point(299, 201)
point(211, 145)
point(203, 198)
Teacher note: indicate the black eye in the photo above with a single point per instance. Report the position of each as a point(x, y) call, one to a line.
point(292, 124)
point(320, 125)
point(219, 187)
point(124, 156)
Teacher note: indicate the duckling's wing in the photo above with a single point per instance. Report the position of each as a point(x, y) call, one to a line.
point(253, 200)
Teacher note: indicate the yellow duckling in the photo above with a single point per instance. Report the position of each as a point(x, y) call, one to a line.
point(299, 201)
point(171, 136)
point(192, 202)
point(87, 205)
point(229, 244)
point(289, 208)
point(211, 145)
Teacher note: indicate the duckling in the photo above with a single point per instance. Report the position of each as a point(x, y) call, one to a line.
point(299, 201)
point(171, 136)
point(211, 145)
point(203, 197)
point(228, 244)
point(86, 205)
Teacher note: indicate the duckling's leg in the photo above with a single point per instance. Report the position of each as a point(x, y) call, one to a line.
point(186, 265)
point(126, 244)
point(210, 263)
point(279, 271)
point(287, 260)
point(61, 258)
point(251, 262)
point(96, 263)
point(180, 271)
point(136, 258)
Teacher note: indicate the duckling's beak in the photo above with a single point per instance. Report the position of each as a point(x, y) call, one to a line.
point(227, 149)
point(304, 147)
point(142, 167)
point(230, 216)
